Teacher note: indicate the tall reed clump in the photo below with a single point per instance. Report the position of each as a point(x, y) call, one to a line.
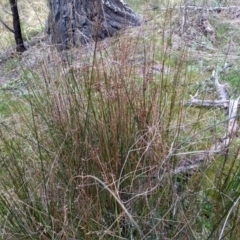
point(88, 154)
point(88, 142)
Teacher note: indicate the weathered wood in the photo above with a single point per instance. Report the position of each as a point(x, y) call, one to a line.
point(80, 21)
point(207, 103)
point(221, 88)
point(193, 161)
point(233, 124)
point(198, 8)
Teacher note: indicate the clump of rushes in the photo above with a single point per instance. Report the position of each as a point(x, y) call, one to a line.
point(86, 153)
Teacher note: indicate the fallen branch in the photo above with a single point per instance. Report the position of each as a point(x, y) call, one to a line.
point(208, 103)
point(197, 8)
point(193, 161)
point(221, 88)
point(232, 124)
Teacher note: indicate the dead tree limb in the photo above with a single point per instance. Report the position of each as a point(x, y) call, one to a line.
point(197, 8)
point(207, 103)
point(221, 145)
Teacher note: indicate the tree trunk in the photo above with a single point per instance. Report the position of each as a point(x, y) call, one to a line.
point(80, 21)
point(16, 26)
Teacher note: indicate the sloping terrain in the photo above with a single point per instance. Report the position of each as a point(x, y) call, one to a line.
point(182, 28)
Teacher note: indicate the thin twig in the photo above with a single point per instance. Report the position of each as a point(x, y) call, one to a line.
point(6, 26)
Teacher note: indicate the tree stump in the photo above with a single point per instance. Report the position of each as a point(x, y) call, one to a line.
point(78, 22)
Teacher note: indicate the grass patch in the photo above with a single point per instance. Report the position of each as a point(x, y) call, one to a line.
point(233, 79)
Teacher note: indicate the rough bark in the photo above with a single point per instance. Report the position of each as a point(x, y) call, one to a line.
point(16, 26)
point(80, 21)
